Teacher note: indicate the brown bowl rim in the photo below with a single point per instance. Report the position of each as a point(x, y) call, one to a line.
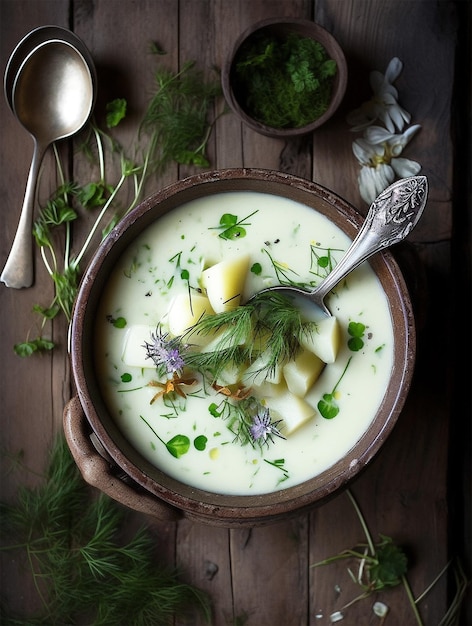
point(196, 502)
point(302, 26)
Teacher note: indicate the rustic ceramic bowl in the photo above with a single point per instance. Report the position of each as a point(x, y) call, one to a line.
point(119, 470)
point(281, 27)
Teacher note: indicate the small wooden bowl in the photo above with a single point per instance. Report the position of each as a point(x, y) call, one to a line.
point(281, 27)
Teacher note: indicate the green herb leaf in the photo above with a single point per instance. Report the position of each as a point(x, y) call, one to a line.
point(27, 348)
point(94, 195)
point(391, 564)
point(178, 445)
point(328, 407)
point(356, 330)
point(213, 410)
point(119, 322)
point(200, 442)
point(49, 312)
point(232, 227)
point(115, 112)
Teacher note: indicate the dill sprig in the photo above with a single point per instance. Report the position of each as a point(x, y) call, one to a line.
point(83, 569)
point(279, 321)
point(269, 325)
point(177, 117)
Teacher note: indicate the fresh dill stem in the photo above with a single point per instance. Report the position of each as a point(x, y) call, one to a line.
point(84, 572)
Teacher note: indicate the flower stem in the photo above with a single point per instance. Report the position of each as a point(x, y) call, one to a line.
point(362, 521)
point(414, 608)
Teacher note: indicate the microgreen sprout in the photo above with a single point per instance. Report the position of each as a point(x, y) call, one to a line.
point(356, 331)
point(177, 446)
point(283, 273)
point(232, 227)
point(322, 261)
point(280, 465)
point(328, 406)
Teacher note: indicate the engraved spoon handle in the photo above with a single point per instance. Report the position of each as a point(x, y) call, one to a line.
point(391, 217)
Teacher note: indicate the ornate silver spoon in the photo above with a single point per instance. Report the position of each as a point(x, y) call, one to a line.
point(391, 217)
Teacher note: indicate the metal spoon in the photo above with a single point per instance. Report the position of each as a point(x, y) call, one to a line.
point(32, 40)
point(391, 217)
point(52, 97)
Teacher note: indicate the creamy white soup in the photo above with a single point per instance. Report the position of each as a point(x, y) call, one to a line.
point(189, 427)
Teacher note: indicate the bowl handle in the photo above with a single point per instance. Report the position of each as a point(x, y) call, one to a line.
point(97, 471)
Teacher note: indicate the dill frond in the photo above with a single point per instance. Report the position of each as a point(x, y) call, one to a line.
point(176, 117)
point(281, 319)
point(270, 325)
point(83, 570)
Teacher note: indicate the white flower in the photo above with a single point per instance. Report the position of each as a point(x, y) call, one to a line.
point(378, 152)
point(383, 105)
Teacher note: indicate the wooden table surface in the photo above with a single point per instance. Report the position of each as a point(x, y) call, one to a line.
point(417, 490)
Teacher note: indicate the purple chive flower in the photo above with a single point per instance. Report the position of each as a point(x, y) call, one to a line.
point(166, 353)
point(263, 428)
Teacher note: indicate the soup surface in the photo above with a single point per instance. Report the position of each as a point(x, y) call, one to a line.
point(191, 435)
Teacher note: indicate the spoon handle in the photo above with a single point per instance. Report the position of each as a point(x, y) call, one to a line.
point(18, 271)
point(391, 217)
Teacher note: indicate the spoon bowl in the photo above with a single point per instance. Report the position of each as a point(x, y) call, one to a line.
point(391, 217)
point(32, 40)
point(52, 95)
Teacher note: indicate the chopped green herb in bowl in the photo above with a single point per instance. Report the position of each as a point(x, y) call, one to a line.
point(285, 77)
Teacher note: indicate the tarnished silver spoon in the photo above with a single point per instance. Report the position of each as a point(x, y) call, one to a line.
point(52, 97)
point(391, 217)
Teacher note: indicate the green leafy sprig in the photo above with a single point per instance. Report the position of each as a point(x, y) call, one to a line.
point(177, 117)
point(83, 569)
point(384, 564)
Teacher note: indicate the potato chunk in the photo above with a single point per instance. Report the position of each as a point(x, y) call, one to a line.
point(224, 283)
point(134, 352)
point(294, 411)
point(259, 373)
point(324, 339)
point(185, 311)
point(302, 372)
